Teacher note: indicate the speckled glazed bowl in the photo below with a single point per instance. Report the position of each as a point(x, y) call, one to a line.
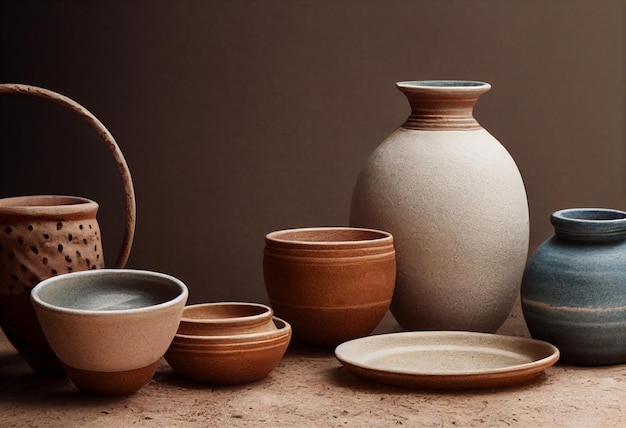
point(229, 360)
point(226, 319)
point(331, 283)
point(110, 327)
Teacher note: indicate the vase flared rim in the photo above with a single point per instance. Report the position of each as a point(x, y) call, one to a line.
point(589, 223)
point(444, 85)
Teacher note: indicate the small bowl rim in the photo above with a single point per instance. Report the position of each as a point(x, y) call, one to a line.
point(181, 296)
point(227, 321)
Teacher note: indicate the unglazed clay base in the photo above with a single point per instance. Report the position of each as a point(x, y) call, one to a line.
point(110, 383)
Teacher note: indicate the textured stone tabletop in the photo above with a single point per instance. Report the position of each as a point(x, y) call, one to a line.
point(311, 388)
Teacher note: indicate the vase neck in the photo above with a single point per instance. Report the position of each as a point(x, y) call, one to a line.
point(442, 104)
point(589, 224)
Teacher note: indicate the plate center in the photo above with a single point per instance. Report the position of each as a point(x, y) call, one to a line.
point(444, 359)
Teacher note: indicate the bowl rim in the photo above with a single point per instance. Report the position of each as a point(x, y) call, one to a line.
point(228, 321)
point(139, 273)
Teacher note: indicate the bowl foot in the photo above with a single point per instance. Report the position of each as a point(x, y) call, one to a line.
point(111, 383)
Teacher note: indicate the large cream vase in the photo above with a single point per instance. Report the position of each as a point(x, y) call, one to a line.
point(454, 200)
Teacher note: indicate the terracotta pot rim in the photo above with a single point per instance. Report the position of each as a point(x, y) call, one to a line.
point(38, 301)
point(289, 237)
point(261, 314)
point(46, 205)
point(444, 85)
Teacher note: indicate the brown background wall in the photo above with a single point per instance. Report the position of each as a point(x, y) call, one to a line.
point(241, 117)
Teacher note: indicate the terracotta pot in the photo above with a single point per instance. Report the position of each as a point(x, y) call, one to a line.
point(110, 327)
point(331, 283)
point(232, 359)
point(574, 287)
point(226, 319)
point(44, 236)
point(454, 201)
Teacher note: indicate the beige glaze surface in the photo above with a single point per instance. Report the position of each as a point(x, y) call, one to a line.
point(96, 336)
point(446, 359)
point(108, 320)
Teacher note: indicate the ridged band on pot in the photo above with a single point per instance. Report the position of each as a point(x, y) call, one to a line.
point(574, 286)
point(229, 360)
point(281, 330)
point(454, 200)
point(331, 283)
point(438, 104)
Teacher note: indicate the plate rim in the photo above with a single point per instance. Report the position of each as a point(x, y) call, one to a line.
point(415, 377)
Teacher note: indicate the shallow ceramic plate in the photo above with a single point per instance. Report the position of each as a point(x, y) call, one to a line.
point(447, 359)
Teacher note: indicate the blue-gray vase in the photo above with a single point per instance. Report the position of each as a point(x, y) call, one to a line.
point(574, 287)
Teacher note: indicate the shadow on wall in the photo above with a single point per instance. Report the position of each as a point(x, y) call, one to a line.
point(239, 118)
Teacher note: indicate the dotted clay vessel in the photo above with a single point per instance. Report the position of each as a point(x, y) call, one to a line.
point(45, 236)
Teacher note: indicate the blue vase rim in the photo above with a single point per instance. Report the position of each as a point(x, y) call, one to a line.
point(599, 224)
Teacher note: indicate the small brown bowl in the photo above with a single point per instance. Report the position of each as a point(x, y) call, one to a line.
point(226, 319)
point(229, 360)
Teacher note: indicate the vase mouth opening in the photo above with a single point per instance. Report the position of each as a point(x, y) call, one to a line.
point(589, 215)
point(444, 84)
point(590, 224)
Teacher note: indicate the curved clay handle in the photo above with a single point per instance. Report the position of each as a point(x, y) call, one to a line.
point(13, 88)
